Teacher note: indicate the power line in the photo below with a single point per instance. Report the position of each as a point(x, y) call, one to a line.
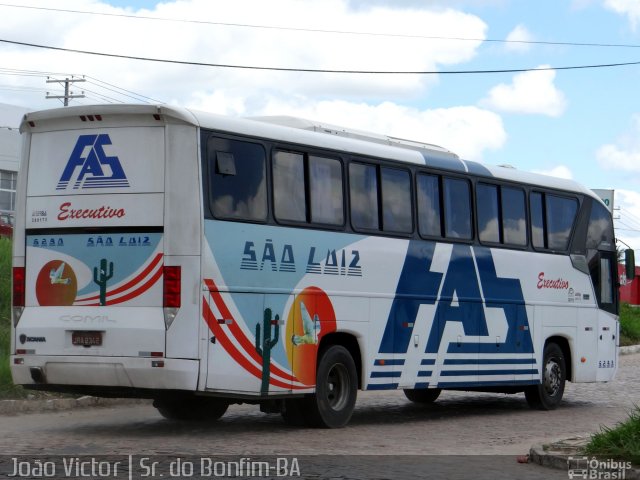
point(628, 229)
point(320, 30)
point(319, 70)
point(120, 90)
point(631, 215)
point(90, 79)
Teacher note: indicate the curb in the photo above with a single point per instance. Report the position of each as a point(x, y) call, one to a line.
point(568, 455)
point(629, 349)
point(13, 407)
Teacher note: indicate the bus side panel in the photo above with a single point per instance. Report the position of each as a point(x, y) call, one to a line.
point(586, 346)
point(183, 235)
point(608, 335)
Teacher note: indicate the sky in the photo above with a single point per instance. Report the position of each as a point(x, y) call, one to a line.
point(579, 123)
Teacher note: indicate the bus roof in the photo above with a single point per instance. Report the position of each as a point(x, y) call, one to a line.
point(304, 132)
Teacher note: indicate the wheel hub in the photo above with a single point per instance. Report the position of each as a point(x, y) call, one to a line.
point(552, 380)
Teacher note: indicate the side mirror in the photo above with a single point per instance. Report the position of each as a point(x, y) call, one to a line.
point(629, 264)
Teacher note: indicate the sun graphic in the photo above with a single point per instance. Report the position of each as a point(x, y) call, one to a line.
point(310, 318)
point(56, 284)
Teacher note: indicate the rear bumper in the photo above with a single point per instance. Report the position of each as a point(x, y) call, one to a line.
point(106, 372)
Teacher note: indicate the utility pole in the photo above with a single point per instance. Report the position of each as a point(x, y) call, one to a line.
point(67, 92)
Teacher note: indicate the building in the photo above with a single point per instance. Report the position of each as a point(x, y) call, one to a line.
point(10, 117)
point(629, 289)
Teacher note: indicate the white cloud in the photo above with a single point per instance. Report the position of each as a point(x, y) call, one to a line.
point(623, 155)
point(530, 93)
point(560, 171)
point(627, 203)
point(466, 130)
point(356, 101)
point(630, 8)
point(235, 45)
point(518, 36)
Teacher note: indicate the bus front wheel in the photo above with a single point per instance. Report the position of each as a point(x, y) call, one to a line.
point(548, 394)
point(336, 389)
point(191, 408)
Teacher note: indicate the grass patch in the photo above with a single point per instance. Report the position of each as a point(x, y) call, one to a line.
point(7, 388)
point(629, 325)
point(620, 442)
point(5, 280)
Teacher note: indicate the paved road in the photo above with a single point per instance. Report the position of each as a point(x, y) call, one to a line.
point(497, 427)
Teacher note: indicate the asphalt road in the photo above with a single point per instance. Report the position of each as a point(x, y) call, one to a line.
point(463, 435)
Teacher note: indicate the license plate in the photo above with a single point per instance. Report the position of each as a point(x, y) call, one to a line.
point(87, 339)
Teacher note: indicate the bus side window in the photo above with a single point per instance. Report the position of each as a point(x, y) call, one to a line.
point(514, 217)
point(396, 200)
point(237, 179)
point(488, 213)
point(561, 213)
point(457, 209)
point(537, 220)
point(325, 190)
point(429, 211)
point(363, 183)
point(289, 187)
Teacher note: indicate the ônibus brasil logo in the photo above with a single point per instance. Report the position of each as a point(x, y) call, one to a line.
point(90, 167)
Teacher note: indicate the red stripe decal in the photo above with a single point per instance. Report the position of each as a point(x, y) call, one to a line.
point(231, 348)
point(130, 283)
point(139, 291)
point(237, 332)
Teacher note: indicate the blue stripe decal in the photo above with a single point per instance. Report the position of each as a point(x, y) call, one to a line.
point(488, 361)
point(500, 383)
point(462, 373)
point(424, 373)
point(421, 385)
point(428, 361)
point(382, 386)
point(385, 374)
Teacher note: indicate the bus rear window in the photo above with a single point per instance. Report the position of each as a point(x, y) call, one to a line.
point(237, 179)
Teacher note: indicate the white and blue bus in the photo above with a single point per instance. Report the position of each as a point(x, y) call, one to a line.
point(201, 260)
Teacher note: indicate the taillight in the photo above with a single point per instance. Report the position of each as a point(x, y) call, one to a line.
point(18, 293)
point(171, 293)
point(171, 297)
point(18, 286)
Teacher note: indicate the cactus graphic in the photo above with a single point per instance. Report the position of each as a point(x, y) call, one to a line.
point(264, 348)
point(101, 277)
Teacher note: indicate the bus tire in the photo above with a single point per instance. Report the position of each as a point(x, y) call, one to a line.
point(191, 408)
point(336, 389)
point(422, 395)
point(548, 394)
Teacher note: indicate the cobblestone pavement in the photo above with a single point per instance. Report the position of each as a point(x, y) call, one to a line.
point(384, 423)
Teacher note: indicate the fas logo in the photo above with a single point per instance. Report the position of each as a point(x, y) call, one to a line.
point(90, 167)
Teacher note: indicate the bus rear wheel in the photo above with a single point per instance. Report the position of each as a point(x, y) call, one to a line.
point(422, 395)
point(548, 394)
point(191, 408)
point(336, 389)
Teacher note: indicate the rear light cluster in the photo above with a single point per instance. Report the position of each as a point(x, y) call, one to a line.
point(91, 118)
point(172, 277)
point(171, 293)
point(18, 293)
